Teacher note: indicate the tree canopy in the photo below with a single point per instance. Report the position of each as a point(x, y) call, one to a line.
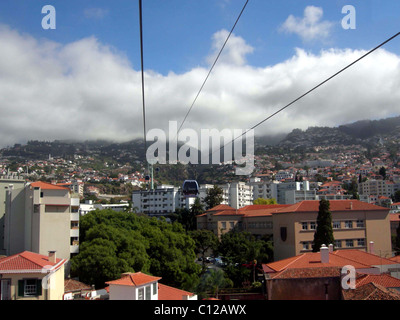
point(116, 242)
point(213, 197)
point(265, 201)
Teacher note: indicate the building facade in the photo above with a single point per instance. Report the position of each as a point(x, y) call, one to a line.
point(40, 218)
point(7, 182)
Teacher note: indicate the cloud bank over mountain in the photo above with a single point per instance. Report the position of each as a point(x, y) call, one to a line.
point(89, 90)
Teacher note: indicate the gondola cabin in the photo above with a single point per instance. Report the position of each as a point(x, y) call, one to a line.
point(190, 188)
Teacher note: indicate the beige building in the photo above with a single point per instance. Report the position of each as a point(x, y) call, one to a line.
point(40, 218)
point(292, 227)
point(7, 182)
point(32, 276)
point(355, 225)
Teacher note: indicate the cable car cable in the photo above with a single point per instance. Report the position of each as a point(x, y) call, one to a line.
point(211, 69)
point(311, 90)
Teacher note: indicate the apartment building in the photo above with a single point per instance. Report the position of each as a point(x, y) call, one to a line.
point(378, 188)
point(41, 217)
point(161, 201)
point(6, 182)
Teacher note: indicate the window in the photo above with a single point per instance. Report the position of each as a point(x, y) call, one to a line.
point(155, 288)
point(338, 243)
point(141, 294)
point(336, 224)
point(304, 226)
point(223, 225)
point(361, 242)
point(349, 243)
point(306, 246)
point(348, 224)
point(148, 293)
point(231, 224)
point(313, 225)
point(29, 287)
point(360, 224)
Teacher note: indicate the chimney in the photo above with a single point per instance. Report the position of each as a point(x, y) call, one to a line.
point(371, 247)
point(52, 257)
point(324, 254)
point(330, 248)
point(351, 205)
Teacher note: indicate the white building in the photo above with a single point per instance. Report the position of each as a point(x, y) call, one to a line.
point(88, 206)
point(161, 201)
point(378, 188)
point(140, 286)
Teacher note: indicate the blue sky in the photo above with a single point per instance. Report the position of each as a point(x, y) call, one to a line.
point(280, 49)
point(177, 33)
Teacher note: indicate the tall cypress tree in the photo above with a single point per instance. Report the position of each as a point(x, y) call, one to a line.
point(324, 232)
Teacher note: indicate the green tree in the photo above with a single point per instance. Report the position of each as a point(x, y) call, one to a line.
point(213, 281)
point(382, 172)
point(116, 242)
point(213, 197)
point(239, 249)
point(205, 241)
point(324, 232)
point(265, 201)
point(396, 196)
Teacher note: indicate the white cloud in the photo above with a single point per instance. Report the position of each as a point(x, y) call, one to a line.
point(234, 52)
point(88, 90)
point(310, 26)
point(95, 13)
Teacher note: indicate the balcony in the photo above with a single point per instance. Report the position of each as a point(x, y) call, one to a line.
point(74, 216)
point(74, 249)
point(75, 202)
point(74, 232)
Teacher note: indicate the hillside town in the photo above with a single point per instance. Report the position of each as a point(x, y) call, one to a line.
point(364, 197)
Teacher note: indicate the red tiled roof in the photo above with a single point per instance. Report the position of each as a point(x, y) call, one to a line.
point(335, 206)
point(371, 291)
point(263, 206)
point(26, 261)
point(364, 257)
point(71, 285)
point(170, 293)
point(134, 279)
point(384, 280)
point(47, 186)
point(396, 259)
point(319, 272)
point(312, 260)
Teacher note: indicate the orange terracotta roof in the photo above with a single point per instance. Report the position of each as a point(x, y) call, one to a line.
point(263, 206)
point(364, 257)
point(71, 285)
point(26, 261)
point(335, 206)
point(47, 186)
point(312, 260)
point(221, 207)
point(371, 291)
point(318, 272)
point(170, 293)
point(134, 279)
point(384, 280)
point(396, 259)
